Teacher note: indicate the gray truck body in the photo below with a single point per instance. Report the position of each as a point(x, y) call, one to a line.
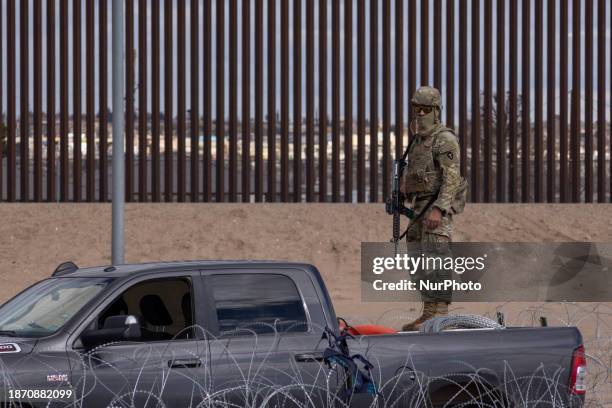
point(210, 367)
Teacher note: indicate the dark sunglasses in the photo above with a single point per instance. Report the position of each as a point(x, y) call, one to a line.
point(422, 108)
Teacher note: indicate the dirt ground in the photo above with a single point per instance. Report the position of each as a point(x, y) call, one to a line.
point(35, 238)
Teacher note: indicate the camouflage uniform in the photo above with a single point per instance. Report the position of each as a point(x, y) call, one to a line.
point(433, 168)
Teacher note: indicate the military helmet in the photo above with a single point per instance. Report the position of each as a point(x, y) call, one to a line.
point(427, 95)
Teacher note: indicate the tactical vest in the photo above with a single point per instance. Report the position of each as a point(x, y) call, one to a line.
point(423, 175)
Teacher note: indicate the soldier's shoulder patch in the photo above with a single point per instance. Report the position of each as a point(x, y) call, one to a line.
point(449, 155)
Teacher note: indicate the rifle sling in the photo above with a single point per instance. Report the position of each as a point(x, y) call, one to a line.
point(420, 215)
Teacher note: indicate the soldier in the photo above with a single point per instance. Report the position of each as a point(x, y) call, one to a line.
point(432, 183)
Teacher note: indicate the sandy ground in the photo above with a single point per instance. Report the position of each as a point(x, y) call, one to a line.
point(35, 238)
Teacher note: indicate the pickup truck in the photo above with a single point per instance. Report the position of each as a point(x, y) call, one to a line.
point(253, 334)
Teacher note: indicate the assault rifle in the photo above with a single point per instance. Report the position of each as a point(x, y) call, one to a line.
point(395, 204)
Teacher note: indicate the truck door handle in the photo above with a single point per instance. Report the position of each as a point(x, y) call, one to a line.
point(309, 357)
point(185, 363)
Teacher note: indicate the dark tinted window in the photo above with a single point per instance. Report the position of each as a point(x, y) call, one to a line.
point(258, 303)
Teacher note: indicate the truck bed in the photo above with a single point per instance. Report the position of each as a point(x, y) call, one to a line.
point(528, 366)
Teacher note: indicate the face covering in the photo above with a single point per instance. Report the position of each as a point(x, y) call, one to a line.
point(427, 123)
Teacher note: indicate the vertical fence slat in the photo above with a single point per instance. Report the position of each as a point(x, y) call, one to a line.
point(450, 65)
point(386, 95)
point(610, 140)
point(76, 102)
point(51, 187)
point(143, 114)
point(513, 99)
point(335, 101)
point(601, 101)
point(103, 126)
point(24, 123)
point(258, 100)
point(361, 101)
point(155, 103)
point(64, 119)
point(10, 103)
point(551, 139)
point(180, 103)
point(233, 101)
point(488, 101)
point(424, 42)
point(38, 165)
point(207, 77)
point(297, 102)
point(246, 99)
point(588, 104)
point(463, 97)
point(412, 62)
point(437, 31)
point(168, 111)
point(399, 85)
point(310, 141)
point(285, 100)
point(322, 98)
point(374, 101)
point(475, 136)
point(181, 96)
point(575, 138)
point(271, 101)
point(501, 103)
point(90, 102)
point(220, 80)
point(525, 104)
point(348, 101)
point(538, 131)
point(563, 93)
point(130, 55)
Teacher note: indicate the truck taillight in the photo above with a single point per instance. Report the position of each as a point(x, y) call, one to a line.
point(578, 374)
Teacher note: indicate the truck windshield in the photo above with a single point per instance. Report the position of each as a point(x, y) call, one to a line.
point(45, 307)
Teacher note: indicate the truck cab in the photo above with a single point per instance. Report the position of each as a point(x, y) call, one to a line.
point(156, 333)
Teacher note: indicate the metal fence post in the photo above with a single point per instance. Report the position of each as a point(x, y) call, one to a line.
point(118, 137)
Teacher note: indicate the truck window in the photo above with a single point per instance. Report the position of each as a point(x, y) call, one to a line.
point(257, 303)
point(162, 306)
point(45, 307)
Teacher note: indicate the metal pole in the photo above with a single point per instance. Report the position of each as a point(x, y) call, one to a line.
point(118, 138)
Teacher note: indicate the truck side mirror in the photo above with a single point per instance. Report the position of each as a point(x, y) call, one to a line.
point(116, 328)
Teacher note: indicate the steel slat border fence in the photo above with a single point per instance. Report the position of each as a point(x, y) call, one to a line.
point(204, 101)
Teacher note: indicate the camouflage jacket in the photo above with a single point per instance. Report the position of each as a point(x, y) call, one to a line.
point(433, 165)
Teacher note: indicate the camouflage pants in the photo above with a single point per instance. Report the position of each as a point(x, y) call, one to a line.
point(434, 243)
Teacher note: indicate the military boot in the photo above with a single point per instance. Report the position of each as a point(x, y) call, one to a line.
point(429, 311)
point(442, 309)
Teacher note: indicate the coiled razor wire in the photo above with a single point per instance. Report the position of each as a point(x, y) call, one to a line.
point(461, 321)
